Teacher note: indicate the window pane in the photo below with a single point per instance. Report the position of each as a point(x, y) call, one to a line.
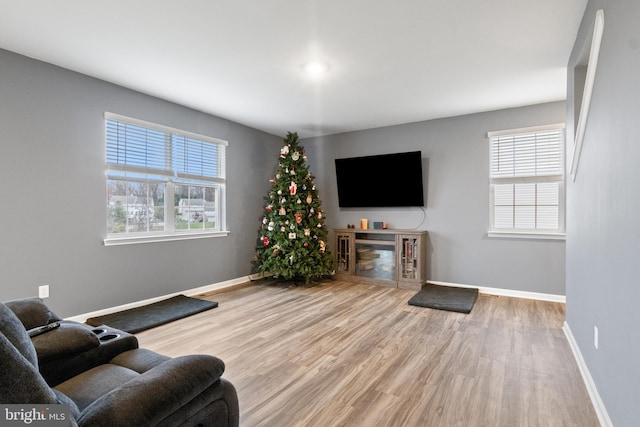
point(195, 207)
point(525, 217)
point(548, 193)
point(211, 207)
point(116, 206)
point(182, 209)
point(156, 200)
point(503, 195)
point(503, 217)
point(525, 194)
point(134, 206)
point(547, 218)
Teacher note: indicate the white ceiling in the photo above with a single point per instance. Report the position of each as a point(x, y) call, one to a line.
point(391, 61)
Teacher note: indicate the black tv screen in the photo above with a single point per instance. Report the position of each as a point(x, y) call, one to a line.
point(387, 180)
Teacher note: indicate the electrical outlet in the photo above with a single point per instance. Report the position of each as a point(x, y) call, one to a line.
point(595, 337)
point(43, 291)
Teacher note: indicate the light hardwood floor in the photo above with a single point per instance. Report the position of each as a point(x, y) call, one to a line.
point(345, 354)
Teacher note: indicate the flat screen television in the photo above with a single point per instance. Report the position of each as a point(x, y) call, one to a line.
point(387, 180)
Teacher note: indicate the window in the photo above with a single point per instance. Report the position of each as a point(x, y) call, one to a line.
point(162, 183)
point(527, 181)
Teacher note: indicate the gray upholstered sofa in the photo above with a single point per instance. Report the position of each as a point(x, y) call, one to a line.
point(104, 377)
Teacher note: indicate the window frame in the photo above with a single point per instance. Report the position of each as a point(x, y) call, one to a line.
point(170, 177)
point(560, 179)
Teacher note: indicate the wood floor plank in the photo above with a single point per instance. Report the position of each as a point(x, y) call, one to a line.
point(346, 354)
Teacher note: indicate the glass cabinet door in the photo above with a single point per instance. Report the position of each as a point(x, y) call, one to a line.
point(376, 261)
point(343, 253)
point(409, 258)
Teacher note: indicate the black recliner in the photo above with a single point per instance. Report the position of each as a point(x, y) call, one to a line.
point(104, 377)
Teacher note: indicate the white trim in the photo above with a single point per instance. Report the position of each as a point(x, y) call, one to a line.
point(133, 240)
point(526, 179)
point(252, 277)
point(531, 129)
point(527, 235)
point(596, 401)
point(189, 292)
point(592, 66)
point(507, 292)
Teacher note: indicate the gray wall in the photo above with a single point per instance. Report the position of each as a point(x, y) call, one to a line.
point(52, 172)
point(603, 242)
point(455, 164)
point(53, 192)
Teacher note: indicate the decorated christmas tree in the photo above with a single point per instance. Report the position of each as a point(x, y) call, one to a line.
point(292, 236)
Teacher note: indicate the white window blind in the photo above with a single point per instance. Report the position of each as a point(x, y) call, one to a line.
point(527, 180)
point(530, 154)
point(154, 150)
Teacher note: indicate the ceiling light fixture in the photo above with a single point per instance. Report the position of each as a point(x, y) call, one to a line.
point(315, 69)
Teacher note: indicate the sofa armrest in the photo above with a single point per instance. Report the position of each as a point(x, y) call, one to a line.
point(156, 394)
point(69, 339)
point(32, 312)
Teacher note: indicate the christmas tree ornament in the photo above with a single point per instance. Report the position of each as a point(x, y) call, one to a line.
point(295, 156)
point(309, 199)
point(293, 188)
point(292, 236)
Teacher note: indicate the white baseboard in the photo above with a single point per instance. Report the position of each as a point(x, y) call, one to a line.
point(507, 292)
point(240, 280)
point(598, 404)
point(189, 292)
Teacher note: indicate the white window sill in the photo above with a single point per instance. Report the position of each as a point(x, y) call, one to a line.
point(526, 235)
point(133, 240)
